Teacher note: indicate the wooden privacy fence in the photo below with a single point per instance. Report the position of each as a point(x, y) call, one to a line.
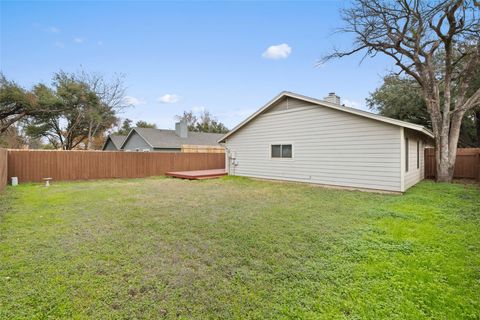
point(3, 169)
point(31, 166)
point(467, 165)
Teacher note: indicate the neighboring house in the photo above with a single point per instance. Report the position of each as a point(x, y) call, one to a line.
point(298, 138)
point(147, 139)
point(114, 142)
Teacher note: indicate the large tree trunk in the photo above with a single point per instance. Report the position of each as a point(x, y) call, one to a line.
point(444, 169)
point(446, 127)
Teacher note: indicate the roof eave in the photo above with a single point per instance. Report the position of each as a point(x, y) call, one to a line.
point(332, 106)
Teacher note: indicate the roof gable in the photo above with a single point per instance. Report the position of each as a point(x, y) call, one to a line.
point(135, 134)
point(277, 103)
point(116, 139)
point(287, 103)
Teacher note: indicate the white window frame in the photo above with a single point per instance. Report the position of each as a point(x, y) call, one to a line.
point(418, 154)
point(407, 154)
point(281, 144)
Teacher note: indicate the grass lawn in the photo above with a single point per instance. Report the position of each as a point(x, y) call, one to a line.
point(238, 248)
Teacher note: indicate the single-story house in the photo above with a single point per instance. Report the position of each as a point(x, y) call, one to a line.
point(113, 142)
point(298, 138)
point(161, 140)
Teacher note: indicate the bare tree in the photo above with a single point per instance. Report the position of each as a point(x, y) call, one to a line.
point(436, 43)
point(111, 93)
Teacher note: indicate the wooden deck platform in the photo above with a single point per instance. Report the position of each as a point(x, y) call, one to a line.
point(198, 174)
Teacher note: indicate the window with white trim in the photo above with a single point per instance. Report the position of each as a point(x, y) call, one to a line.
point(406, 154)
point(281, 150)
point(418, 154)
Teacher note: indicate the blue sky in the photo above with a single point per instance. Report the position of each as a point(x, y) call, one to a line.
point(194, 55)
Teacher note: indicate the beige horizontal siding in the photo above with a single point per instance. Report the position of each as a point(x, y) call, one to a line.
point(329, 147)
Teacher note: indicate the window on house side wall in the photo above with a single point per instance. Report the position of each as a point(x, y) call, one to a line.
point(286, 150)
point(418, 154)
point(281, 151)
point(406, 154)
point(276, 151)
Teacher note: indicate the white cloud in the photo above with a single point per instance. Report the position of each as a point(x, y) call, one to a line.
point(59, 44)
point(169, 98)
point(281, 51)
point(52, 30)
point(133, 101)
point(78, 40)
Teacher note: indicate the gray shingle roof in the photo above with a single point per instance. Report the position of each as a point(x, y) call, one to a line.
point(160, 138)
point(117, 140)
